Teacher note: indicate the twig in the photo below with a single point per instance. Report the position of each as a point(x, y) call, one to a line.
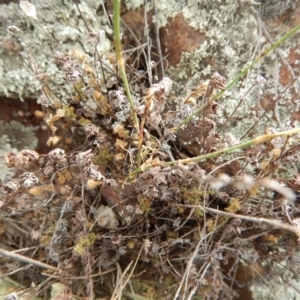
point(79, 277)
point(187, 270)
point(274, 223)
point(27, 260)
point(119, 285)
point(158, 40)
point(255, 141)
point(120, 60)
point(84, 21)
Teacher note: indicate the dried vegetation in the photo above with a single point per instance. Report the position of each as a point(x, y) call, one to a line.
point(148, 199)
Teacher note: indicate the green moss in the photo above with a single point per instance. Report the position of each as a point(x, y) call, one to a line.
point(103, 158)
point(194, 195)
point(198, 212)
point(83, 121)
point(85, 242)
point(145, 204)
point(172, 234)
point(80, 95)
point(146, 290)
point(69, 112)
point(47, 236)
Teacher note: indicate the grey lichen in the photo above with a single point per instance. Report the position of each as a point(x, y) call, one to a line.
point(17, 136)
point(233, 39)
point(134, 4)
point(274, 8)
point(277, 287)
point(60, 22)
point(232, 36)
point(14, 137)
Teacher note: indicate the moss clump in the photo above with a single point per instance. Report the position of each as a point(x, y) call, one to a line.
point(83, 121)
point(172, 234)
point(145, 204)
point(69, 112)
point(103, 158)
point(194, 195)
point(84, 242)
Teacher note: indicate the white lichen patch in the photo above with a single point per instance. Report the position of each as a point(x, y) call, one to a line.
point(134, 4)
point(61, 25)
point(233, 40)
point(277, 287)
point(13, 138)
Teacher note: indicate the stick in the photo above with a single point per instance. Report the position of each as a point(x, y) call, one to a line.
point(27, 260)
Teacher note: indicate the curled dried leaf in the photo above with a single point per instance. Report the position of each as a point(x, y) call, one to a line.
point(30, 154)
point(11, 159)
point(29, 179)
point(57, 155)
point(92, 172)
point(22, 158)
point(60, 113)
point(13, 29)
point(217, 81)
point(200, 91)
point(84, 158)
point(159, 89)
point(12, 185)
point(91, 130)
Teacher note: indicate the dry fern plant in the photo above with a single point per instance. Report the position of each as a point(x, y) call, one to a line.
point(138, 199)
